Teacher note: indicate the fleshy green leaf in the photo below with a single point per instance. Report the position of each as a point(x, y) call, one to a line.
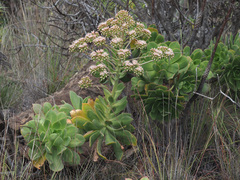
point(67, 156)
point(75, 100)
point(59, 149)
point(55, 162)
point(159, 39)
point(119, 90)
point(48, 147)
point(186, 51)
point(51, 116)
point(79, 121)
point(125, 118)
point(37, 108)
point(174, 45)
point(144, 178)
point(77, 141)
point(66, 108)
point(109, 138)
point(46, 107)
point(171, 71)
point(93, 137)
point(58, 141)
point(118, 150)
point(151, 45)
point(99, 148)
point(126, 137)
point(71, 130)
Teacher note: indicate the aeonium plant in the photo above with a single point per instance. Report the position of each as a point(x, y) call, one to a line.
point(50, 137)
point(103, 120)
point(111, 48)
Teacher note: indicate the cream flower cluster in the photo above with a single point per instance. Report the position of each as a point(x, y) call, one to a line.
point(157, 54)
point(146, 32)
point(123, 53)
point(123, 24)
point(99, 55)
point(140, 44)
point(118, 32)
point(132, 34)
point(168, 52)
point(103, 74)
point(81, 44)
point(85, 82)
point(114, 30)
point(89, 37)
point(122, 14)
point(99, 41)
point(139, 27)
point(117, 42)
point(134, 67)
point(162, 52)
point(123, 17)
point(101, 69)
point(78, 44)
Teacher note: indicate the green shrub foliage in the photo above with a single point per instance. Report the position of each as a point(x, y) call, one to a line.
point(51, 138)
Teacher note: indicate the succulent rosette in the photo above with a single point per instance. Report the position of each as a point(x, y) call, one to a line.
point(51, 137)
point(232, 74)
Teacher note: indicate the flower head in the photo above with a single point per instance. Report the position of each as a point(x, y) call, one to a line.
point(85, 82)
point(103, 74)
point(109, 21)
point(134, 67)
point(138, 71)
point(157, 54)
point(100, 69)
point(132, 34)
point(146, 32)
point(162, 52)
point(140, 44)
point(114, 30)
point(105, 31)
point(114, 22)
point(122, 14)
point(76, 43)
point(123, 53)
point(94, 69)
point(99, 55)
point(91, 36)
point(99, 41)
point(124, 26)
point(128, 66)
point(135, 62)
point(117, 42)
point(102, 26)
point(139, 27)
point(82, 47)
point(130, 21)
point(167, 52)
point(163, 48)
